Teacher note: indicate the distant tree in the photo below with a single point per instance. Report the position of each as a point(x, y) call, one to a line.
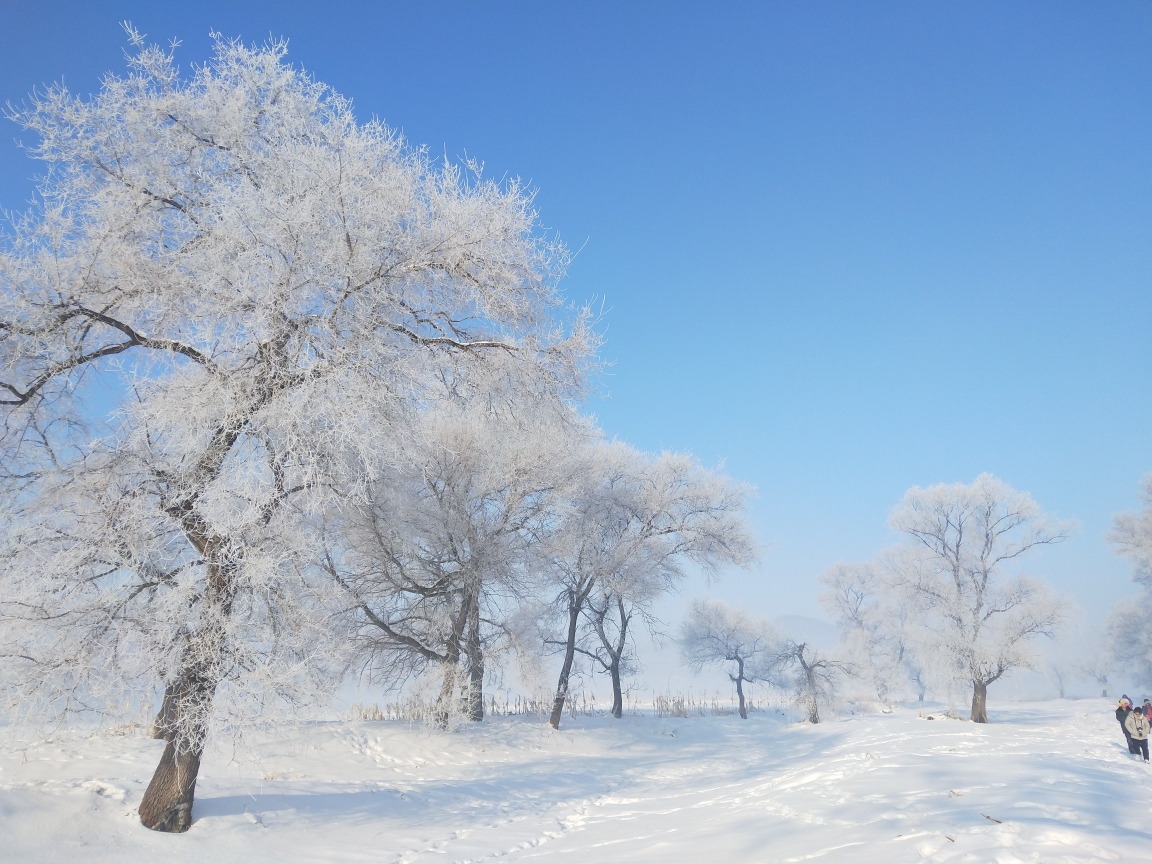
point(1128, 623)
point(972, 614)
point(1132, 535)
point(750, 649)
point(814, 676)
point(438, 561)
point(1127, 643)
point(266, 290)
point(1078, 652)
point(609, 616)
point(877, 627)
point(628, 529)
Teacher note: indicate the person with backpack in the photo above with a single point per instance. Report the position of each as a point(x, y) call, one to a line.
point(1137, 727)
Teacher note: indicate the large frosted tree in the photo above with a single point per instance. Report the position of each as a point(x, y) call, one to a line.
point(975, 615)
point(259, 289)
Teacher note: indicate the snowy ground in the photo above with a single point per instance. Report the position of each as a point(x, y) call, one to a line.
point(1047, 782)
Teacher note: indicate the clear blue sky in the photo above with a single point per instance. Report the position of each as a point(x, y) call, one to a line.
point(847, 248)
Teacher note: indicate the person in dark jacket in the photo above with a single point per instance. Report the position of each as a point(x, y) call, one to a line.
point(1122, 712)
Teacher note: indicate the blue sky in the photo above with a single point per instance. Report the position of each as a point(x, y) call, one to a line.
point(847, 248)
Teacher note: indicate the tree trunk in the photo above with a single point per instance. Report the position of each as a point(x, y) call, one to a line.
point(183, 718)
point(187, 707)
point(616, 652)
point(167, 802)
point(476, 690)
point(617, 692)
point(575, 604)
point(475, 652)
point(810, 682)
point(979, 702)
point(164, 724)
point(443, 708)
point(740, 688)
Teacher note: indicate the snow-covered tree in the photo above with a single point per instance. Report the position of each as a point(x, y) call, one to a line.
point(262, 289)
point(609, 638)
point(438, 561)
point(877, 627)
point(813, 675)
point(1132, 535)
point(753, 650)
point(750, 649)
point(973, 615)
point(1127, 643)
point(631, 525)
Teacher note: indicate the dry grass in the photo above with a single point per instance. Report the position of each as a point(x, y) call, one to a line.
point(679, 705)
point(418, 710)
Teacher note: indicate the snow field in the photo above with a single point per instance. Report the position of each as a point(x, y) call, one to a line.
point(1048, 782)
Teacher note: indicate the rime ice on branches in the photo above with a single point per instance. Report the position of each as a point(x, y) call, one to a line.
point(267, 291)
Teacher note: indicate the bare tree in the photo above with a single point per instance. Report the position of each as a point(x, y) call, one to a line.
point(630, 527)
point(973, 614)
point(270, 286)
point(438, 561)
point(814, 677)
point(609, 644)
point(752, 649)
